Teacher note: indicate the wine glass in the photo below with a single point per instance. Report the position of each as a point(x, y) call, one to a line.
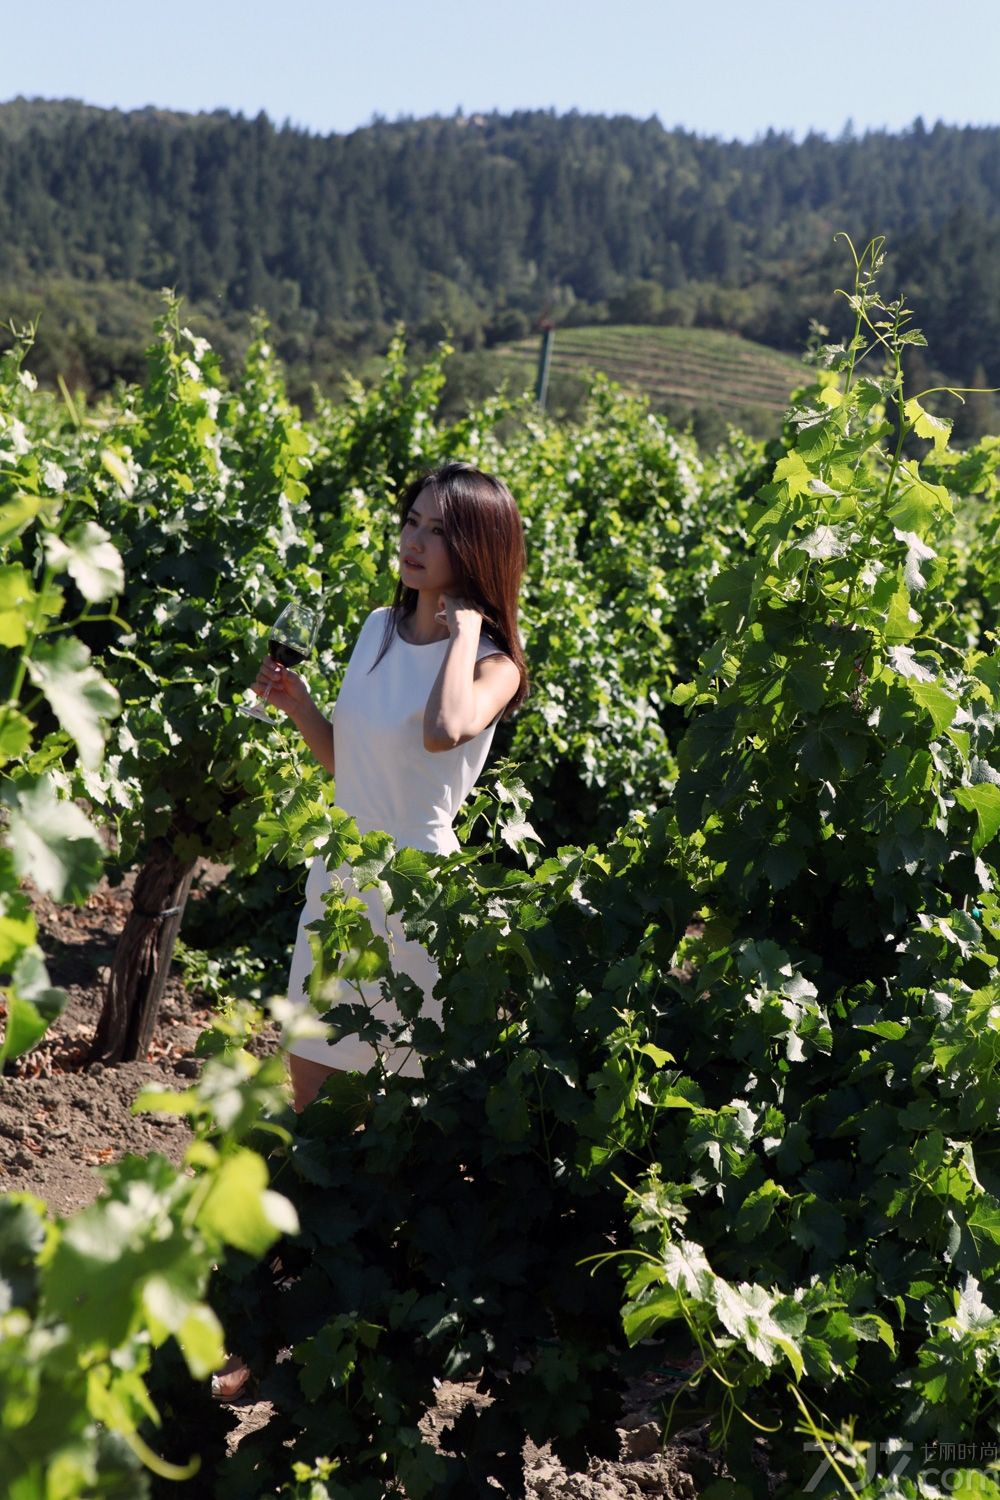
point(291, 641)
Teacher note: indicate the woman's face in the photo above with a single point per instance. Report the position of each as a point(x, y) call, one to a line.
point(424, 560)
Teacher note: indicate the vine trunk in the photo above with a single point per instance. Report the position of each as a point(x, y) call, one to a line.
point(142, 958)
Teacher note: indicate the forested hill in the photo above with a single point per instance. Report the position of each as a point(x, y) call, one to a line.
point(479, 225)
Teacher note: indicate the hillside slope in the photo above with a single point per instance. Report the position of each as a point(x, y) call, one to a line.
point(690, 373)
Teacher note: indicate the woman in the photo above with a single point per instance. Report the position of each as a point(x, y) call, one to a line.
point(427, 682)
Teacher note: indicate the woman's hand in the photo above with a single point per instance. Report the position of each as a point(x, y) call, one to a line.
point(284, 688)
point(468, 693)
point(458, 614)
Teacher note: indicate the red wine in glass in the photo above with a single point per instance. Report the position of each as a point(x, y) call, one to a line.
point(291, 641)
point(285, 654)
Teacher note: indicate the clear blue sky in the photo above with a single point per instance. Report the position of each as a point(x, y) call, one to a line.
point(728, 68)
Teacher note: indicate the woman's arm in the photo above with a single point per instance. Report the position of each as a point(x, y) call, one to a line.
point(467, 695)
point(289, 693)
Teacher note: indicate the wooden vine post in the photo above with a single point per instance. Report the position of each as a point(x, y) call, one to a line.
point(142, 958)
point(547, 328)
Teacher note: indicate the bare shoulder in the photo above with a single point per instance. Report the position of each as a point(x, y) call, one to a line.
point(495, 665)
point(497, 679)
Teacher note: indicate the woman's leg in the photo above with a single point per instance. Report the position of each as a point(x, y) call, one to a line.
point(308, 1078)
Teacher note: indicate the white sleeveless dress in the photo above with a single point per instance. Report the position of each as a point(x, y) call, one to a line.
point(386, 780)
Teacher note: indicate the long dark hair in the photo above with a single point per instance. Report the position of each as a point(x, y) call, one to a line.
point(485, 541)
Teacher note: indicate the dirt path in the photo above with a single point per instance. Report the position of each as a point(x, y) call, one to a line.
point(61, 1119)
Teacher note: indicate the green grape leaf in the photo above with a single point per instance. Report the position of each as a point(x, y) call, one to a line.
point(870, 1328)
point(748, 1313)
point(517, 831)
point(171, 1304)
point(902, 621)
point(793, 472)
point(809, 681)
point(659, 1056)
point(53, 842)
point(94, 1280)
point(927, 426)
point(648, 1312)
point(81, 699)
point(16, 594)
point(32, 1005)
point(17, 514)
point(507, 1112)
point(825, 542)
point(936, 700)
point(686, 1266)
point(202, 1344)
point(984, 801)
point(972, 1311)
point(756, 1210)
point(118, 471)
point(240, 1209)
point(984, 1228)
point(15, 734)
point(91, 559)
point(18, 928)
point(783, 862)
point(916, 553)
point(917, 507)
point(903, 661)
point(892, 1031)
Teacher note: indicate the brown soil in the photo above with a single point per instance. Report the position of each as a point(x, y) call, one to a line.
point(679, 1471)
point(62, 1118)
